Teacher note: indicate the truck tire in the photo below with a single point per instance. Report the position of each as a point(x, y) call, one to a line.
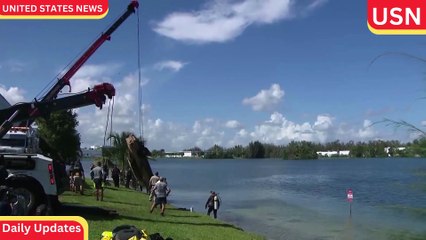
point(41, 210)
point(28, 190)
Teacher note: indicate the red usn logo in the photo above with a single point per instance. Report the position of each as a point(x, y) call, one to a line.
point(396, 16)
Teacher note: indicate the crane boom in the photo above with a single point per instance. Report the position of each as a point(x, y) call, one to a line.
point(28, 111)
point(65, 79)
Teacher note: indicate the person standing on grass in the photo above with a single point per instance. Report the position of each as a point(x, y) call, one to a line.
point(105, 173)
point(78, 183)
point(161, 191)
point(213, 204)
point(115, 174)
point(152, 181)
point(97, 179)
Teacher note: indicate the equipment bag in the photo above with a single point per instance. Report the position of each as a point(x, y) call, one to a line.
point(124, 232)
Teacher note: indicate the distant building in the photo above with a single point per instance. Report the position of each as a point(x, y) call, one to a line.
point(187, 154)
point(92, 152)
point(344, 153)
point(388, 150)
point(183, 154)
point(173, 155)
point(341, 153)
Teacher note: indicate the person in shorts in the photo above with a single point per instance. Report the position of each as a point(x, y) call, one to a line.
point(161, 191)
point(97, 179)
point(152, 181)
point(78, 183)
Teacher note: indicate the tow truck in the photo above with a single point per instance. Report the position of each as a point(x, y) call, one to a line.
point(24, 174)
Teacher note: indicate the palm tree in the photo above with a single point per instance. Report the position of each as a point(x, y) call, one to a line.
point(119, 148)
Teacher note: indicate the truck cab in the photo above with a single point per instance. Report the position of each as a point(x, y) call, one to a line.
point(19, 140)
point(30, 176)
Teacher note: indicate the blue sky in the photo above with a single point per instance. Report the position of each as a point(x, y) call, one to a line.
point(228, 72)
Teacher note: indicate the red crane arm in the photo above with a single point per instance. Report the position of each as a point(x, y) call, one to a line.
point(65, 79)
point(29, 111)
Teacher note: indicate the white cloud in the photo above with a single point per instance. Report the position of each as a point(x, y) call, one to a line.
point(204, 133)
point(276, 118)
point(233, 124)
point(12, 94)
point(92, 74)
point(174, 66)
point(367, 131)
point(97, 70)
point(175, 137)
point(423, 123)
point(124, 108)
point(279, 130)
point(323, 123)
point(265, 99)
point(221, 21)
point(171, 136)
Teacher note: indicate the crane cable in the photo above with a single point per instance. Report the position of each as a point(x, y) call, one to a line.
point(109, 121)
point(110, 112)
point(140, 109)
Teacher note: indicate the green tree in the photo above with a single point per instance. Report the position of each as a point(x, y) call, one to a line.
point(158, 153)
point(59, 138)
point(119, 150)
point(215, 152)
point(60, 141)
point(256, 150)
point(238, 151)
point(418, 148)
point(301, 150)
point(358, 150)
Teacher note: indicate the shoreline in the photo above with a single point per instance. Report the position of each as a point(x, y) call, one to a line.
point(125, 206)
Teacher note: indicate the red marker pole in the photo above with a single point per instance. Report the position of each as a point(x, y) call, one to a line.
point(350, 197)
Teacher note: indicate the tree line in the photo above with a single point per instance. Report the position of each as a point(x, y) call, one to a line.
point(60, 140)
point(308, 150)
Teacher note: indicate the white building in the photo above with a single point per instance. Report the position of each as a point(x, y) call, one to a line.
point(342, 153)
point(387, 150)
point(187, 154)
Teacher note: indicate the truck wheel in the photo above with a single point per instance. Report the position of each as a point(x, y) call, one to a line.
point(28, 196)
point(41, 210)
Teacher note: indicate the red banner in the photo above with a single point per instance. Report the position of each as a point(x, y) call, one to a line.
point(53, 9)
point(43, 228)
point(396, 16)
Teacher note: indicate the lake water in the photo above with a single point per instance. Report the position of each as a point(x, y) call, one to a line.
point(304, 200)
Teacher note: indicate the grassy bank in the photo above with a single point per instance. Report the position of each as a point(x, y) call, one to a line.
point(132, 208)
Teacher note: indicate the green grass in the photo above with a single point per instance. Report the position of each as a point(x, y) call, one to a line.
point(133, 209)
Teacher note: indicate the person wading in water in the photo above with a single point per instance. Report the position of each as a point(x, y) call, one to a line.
point(213, 204)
